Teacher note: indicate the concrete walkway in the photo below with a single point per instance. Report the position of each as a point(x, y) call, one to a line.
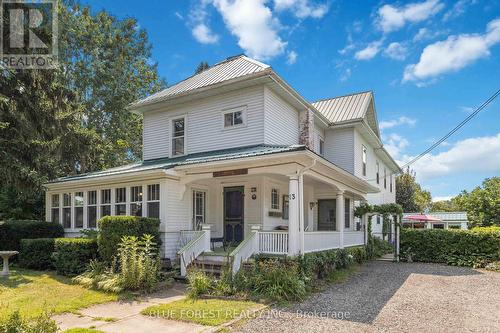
point(125, 317)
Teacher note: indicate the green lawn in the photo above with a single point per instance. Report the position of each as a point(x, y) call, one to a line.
point(82, 330)
point(33, 292)
point(211, 312)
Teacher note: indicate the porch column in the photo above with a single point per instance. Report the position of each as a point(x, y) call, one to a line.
point(293, 216)
point(340, 217)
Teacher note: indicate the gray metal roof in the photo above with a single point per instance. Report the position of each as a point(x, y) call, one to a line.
point(228, 69)
point(168, 163)
point(344, 108)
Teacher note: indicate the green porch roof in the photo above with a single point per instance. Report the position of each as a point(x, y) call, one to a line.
point(167, 163)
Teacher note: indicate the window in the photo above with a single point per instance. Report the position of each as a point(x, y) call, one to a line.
point(364, 160)
point(154, 201)
point(55, 208)
point(67, 210)
point(178, 138)
point(79, 210)
point(378, 173)
point(136, 201)
point(390, 183)
point(347, 213)
point(385, 178)
point(120, 199)
point(286, 207)
point(92, 209)
point(199, 210)
point(105, 203)
point(321, 146)
point(275, 199)
point(378, 219)
point(234, 118)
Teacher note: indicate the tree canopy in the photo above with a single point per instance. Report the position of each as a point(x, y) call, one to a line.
point(410, 195)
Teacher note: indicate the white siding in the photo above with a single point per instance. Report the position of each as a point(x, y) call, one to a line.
point(339, 145)
point(281, 120)
point(204, 124)
point(319, 133)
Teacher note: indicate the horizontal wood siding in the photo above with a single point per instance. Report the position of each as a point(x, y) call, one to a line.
point(281, 120)
point(155, 135)
point(339, 145)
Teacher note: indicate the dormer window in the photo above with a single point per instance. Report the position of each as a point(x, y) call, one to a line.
point(321, 146)
point(363, 149)
point(178, 136)
point(234, 117)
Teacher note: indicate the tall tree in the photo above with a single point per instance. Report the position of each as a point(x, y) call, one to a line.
point(410, 195)
point(202, 66)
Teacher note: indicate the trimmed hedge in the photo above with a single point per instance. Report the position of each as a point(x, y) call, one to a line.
point(11, 232)
point(113, 228)
point(36, 253)
point(72, 255)
point(475, 247)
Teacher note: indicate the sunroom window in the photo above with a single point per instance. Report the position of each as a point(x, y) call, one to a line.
point(120, 199)
point(136, 201)
point(92, 209)
point(153, 199)
point(178, 136)
point(55, 208)
point(105, 202)
point(67, 210)
point(79, 210)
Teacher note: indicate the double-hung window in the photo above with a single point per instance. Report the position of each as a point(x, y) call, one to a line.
point(233, 118)
point(120, 201)
point(321, 146)
point(153, 199)
point(105, 202)
point(199, 209)
point(78, 209)
point(67, 210)
point(55, 208)
point(364, 160)
point(390, 183)
point(378, 172)
point(275, 199)
point(136, 201)
point(178, 136)
point(91, 209)
point(385, 178)
point(347, 213)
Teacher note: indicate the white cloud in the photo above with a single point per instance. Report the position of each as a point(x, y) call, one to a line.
point(469, 155)
point(369, 51)
point(436, 199)
point(467, 109)
point(252, 22)
point(403, 120)
point(395, 144)
point(453, 53)
point(346, 74)
point(426, 34)
point(396, 51)
point(291, 58)
point(179, 16)
point(302, 8)
point(204, 35)
point(391, 18)
point(458, 9)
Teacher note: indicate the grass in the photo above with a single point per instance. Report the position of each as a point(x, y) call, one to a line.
point(82, 330)
point(35, 292)
point(210, 312)
point(341, 275)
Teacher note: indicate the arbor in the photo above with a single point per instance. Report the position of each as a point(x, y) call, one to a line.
point(410, 195)
point(481, 204)
point(202, 66)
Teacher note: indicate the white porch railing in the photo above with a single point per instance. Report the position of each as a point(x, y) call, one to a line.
point(273, 242)
point(353, 238)
point(199, 243)
point(244, 250)
point(315, 241)
point(186, 236)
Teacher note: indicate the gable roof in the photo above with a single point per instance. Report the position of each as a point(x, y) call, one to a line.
point(231, 68)
point(352, 107)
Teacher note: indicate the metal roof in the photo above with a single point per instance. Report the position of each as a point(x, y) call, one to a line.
point(168, 163)
point(231, 68)
point(344, 108)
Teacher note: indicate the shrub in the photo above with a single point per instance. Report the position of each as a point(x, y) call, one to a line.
point(113, 228)
point(16, 324)
point(36, 253)
point(72, 255)
point(199, 284)
point(11, 232)
point(358, 253)
point(476, 247)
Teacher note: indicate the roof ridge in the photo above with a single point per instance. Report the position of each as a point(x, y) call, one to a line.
point(346, 95)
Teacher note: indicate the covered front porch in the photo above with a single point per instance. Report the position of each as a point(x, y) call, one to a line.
point(278, 206)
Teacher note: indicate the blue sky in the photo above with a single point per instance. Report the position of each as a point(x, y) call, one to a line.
point(429, 63)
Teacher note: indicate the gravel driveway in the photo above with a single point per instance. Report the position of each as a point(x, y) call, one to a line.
point(390, 297)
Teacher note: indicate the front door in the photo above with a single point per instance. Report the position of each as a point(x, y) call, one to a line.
point(326, 215)
point(233, 214)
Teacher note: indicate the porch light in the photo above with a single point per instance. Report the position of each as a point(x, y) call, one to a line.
point(312, 204)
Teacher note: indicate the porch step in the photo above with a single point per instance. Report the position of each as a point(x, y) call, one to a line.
point(212, 267)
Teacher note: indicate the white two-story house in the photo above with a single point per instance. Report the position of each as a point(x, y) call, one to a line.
point(236, 154)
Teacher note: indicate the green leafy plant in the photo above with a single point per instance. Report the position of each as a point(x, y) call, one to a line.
point(199, 284)
point(11, 232)
point(72, 255)
point(36, 253)
point(16, 324)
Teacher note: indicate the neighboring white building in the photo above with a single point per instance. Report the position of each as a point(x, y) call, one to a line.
point(235, 152)
point(447, 220)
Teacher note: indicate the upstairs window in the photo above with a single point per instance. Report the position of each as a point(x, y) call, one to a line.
point(178, 136)
point(321, 146)
point(275, 199)
point(385, 178)
point(364, 160)
point(378, 173)
point(390, 183)
point(233, 118)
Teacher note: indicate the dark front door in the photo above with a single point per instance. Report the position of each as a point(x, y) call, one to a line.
point(326, 215)
point(233, 214)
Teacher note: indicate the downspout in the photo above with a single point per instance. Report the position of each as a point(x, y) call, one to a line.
point(301, 202)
